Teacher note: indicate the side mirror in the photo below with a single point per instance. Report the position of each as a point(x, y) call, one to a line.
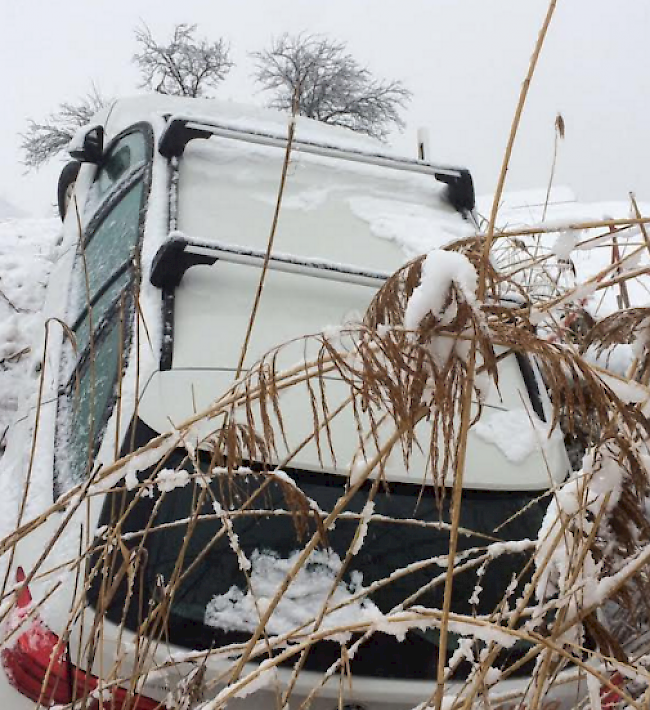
point(87, 146)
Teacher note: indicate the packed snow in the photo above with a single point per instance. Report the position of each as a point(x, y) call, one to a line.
point(579, 263)
point(28, 249)
point(415, 228)
point(565, 244)
point(517, 433)
point(232, 115)
point(301, 603)
point(9, 211)
point(440, 270)
point(168, 479)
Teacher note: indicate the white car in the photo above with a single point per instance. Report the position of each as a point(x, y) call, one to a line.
point(164, 237)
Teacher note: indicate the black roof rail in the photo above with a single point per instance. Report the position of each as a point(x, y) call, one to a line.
point(180, 130)
point(179, 253)
point(460, 190)
point(172, 261)
point(177, 135)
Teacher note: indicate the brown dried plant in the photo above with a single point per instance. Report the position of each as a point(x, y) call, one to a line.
point(405, 393)
point(397, 381)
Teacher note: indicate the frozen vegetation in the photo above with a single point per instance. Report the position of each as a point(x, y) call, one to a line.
point(320, 599)
point(566, 284)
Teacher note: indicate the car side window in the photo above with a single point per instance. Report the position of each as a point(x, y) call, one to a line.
point(89, 398)
point(100, 316)
point(125, 156)
point(107, 255)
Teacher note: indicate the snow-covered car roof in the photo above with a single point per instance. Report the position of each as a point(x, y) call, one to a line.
point(408, 205)
point(122, 113)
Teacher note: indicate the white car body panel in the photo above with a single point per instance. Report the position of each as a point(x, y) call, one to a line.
point(371, 693)
point(227, 193)
point(186, 392)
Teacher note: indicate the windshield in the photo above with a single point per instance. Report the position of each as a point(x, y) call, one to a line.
point(214, 604)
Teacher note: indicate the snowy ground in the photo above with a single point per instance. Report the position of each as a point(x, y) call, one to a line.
point(27, 252)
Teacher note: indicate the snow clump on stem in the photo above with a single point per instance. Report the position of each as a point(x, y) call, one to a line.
point(440, 271)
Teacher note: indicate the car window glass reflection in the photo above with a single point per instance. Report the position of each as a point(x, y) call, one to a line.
point(128, 154)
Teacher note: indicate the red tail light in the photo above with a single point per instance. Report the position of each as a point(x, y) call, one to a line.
point(37, 664)
point(34, 660)
point(610, 698)
point(23, 597)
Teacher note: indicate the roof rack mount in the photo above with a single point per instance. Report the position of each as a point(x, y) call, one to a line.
point(179, 253)
point(180, 130)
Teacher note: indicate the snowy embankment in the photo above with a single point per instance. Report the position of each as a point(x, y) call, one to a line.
point(583, 255)
point(580, 260)
point(27, 251)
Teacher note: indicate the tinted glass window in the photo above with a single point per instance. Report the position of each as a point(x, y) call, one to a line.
point(89, 397)
point(109, 248)
point(208, 608)
point(123, 158)
point(114, 241)
point(101, 308)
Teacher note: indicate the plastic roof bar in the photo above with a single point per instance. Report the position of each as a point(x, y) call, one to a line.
point(178, 254)
point(181, 130)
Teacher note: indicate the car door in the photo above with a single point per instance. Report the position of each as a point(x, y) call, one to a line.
point(102, 303)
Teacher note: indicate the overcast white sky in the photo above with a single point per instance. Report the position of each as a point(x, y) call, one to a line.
point(464, 60)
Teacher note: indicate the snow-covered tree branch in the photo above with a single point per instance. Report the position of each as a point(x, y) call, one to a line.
point(43, 140)
point(186, 66)
point(329, 85)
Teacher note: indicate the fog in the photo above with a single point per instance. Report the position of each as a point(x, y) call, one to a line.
point(464, 61)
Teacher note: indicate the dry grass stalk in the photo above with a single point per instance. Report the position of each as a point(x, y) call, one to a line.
point(490, 233)
point(391, 370)
point(405, 392)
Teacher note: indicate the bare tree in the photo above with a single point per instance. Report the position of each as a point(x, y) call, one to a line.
point(42, 141)
point(329, 85)
point(186, 66)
